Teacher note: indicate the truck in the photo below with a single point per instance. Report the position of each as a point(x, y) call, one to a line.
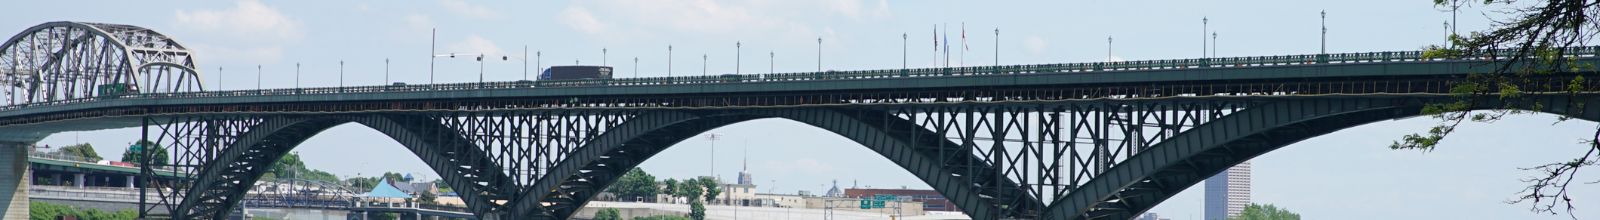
point(575, 73)
point(115, 90)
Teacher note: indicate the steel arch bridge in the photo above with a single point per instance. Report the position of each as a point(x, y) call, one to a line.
point(1047, 141)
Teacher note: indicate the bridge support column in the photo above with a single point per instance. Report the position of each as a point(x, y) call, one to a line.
point(130, 179)
point(14, 181)
point(77, 180)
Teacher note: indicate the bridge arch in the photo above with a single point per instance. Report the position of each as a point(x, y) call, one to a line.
point(67, 60)
point(595, 166)
point(1165, 169)
point(221, 183)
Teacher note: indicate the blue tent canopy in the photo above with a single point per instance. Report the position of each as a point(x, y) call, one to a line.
point(385, 190)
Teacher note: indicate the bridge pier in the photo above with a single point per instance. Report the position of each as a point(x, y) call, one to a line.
point(14, 181)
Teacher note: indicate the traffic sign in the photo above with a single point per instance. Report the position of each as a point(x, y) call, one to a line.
point(877, 203)
point(866, 204)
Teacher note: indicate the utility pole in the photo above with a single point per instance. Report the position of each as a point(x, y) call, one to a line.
point(1205, 23)
point(1108, 48)
point(738, 56)
point(669, 60)
point(433, 51)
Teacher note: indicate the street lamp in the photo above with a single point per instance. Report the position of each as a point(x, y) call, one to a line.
point(738, 56)
point(635, 67)
point(479, 58)
point(772, 62)
point(1205, 23)
point(1108, 48)
point(903, 61)
point(819, 54)
point(1213, 44)
point(996, 46)
point(704, 59)
point(258, 77)
point(669, 61)
point(1324, 31)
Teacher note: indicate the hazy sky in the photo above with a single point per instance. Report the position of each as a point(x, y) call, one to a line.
point(1346, 175)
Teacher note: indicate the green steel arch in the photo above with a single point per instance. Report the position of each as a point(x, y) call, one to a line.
point(222, 182)
point(1145, 180)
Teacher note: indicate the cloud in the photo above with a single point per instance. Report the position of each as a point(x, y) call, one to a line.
point(248, 19)
point(855, 9)
point(475, 44)
point(579, 18)
point(470, 10)
point(1034, 44)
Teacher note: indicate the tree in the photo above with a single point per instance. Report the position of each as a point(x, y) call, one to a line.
point(690, 188)
point(427, 198)
point(711, 188)
point(363, 183)
point(1530, 45)
point(697, 210)
point(607, 214)
point(661, 217)
point(158, 156)
point(669, 187)
point(84, 151)
point(634, 184)
point(1265, 212)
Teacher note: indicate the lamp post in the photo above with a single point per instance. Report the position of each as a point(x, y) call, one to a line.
point(635, 67)
point(297, 75)
point(524, 62)
point(996, 46)
point(819, 54)
point(903, 62)
point(258, 77)
point(669, 60)
point(385, 71)
point(1213, 44)
point(738, 56)
point(1324, 31)
point(1205, 23)
point(704, 60)
point(538, 60)
point(603, 54)
point(341, 75)
point(1108, 48)
point(772, 62)
point(433, 51)
point(219, 78)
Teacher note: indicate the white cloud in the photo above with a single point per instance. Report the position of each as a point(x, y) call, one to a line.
point(463, 8)
point(248, 54)
point(249, 18)
point(856, 9)
point(475, 44)
point(579, 18)
point(1034, 44)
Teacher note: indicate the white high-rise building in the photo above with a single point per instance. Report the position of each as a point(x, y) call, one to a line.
point(1228, 192)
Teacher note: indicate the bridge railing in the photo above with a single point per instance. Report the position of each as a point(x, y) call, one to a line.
point(1115, 66)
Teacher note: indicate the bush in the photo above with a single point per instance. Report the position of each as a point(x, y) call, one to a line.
point(50, 211)
point(607, 214)
point(661, 217)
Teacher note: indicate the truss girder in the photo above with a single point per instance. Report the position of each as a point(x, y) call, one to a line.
point(1143, 181)
point(63, 60)
point(223, 179)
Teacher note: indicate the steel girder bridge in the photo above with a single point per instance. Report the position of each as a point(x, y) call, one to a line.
point(1049, 141)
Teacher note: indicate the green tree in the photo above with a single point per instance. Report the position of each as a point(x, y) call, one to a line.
point(158, 155)
point(427, 198)
point(712, 190)
point(1265, 212)
point(607, 214)
point(363, 183)
point(661, 217)
point(669, 187)
point(1529, 43)
point(634, 184)
point(690, 188)
point(51, 211)
point(84, 151)
point(697, 210)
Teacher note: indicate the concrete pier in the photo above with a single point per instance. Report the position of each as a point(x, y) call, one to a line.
point(14, 181)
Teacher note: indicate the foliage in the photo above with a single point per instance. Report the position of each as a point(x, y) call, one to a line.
point(661, 217)
point(397, 177)
point(669, 187)
point(697, 210)
point(607, 214)
point(690, 188)
point(158, 157)
point(1265, 212)
point(383, 215)
point(50, 211)
point(84, 151)
point(443, 187)
point(363, 183)
point(1529, 46)
point(427, 198)
point(711, 188)
point(634, 184)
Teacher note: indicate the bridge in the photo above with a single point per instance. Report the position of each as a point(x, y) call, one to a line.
point(1104, 140)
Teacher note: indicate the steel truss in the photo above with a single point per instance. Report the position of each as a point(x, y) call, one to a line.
point(60, 61)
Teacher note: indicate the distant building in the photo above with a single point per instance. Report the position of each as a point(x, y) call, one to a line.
point(1150, 216)
point(931, 200)
point(1228, 192)
point(835, 191)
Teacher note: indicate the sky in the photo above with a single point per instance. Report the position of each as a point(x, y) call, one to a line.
point(1350, 174)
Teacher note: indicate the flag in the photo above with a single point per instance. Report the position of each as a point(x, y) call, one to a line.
point(964, 37)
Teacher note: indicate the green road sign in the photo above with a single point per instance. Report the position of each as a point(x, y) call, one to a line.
point(877, 203)
point(866, 204)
